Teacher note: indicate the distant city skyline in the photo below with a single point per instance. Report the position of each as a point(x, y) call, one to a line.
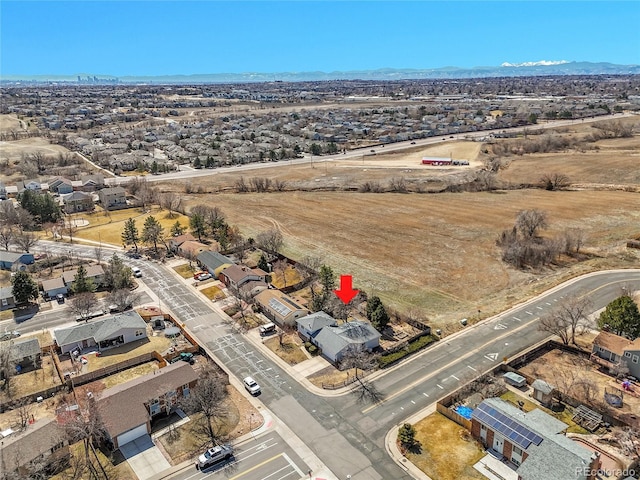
point(149, 38)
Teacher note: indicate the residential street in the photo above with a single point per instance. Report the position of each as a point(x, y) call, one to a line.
point(347, 436)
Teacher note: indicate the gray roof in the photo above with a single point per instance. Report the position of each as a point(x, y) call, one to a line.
point(112, 190)
point(314, 322)
point(542, 386)
point(6, 292)
point(69, 197)
point(53, 284)
point(334, 340)
point(10, 257)
point(25, 348)
point(557, 457)
point(213, 260)
point(102, 329)
point(38, 439)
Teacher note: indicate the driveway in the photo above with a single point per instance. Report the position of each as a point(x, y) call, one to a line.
point(145, 459)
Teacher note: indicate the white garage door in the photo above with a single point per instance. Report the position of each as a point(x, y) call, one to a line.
point(132, 434)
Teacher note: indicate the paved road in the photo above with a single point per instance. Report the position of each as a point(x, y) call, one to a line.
point(266, 457)
point(349, 436)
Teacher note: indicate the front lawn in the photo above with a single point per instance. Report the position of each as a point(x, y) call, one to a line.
point(182, 443)
point(185, 270)
point(448, 451)
point(213, 293)
point(289, 350)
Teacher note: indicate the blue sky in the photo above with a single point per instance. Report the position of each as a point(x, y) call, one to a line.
point(165, 37)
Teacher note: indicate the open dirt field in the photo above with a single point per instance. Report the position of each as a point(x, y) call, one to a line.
point(10, 123)
point(14, 150)
point(615, 164)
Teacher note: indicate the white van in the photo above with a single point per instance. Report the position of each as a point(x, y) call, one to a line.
point(267, 329)
point(136, 272)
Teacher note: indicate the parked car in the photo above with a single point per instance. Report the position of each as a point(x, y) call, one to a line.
point(185, 357)
point(214, 455)
point(9, 335)
point(267, 329)
point(197, 274)
point(116, 309)
point(251, 385)
point(413, 143)
point(136, 272)
point(204, 276)
point(60, 298)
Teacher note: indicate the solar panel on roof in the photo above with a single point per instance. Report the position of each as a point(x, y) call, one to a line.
point(507, 426)
point(279, 307)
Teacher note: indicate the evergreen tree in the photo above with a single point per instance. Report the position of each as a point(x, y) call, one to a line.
point(622, 317)
point(152, 232)
point(263, 264)
point(81, 283)
point(130, 233)
point(407, 437)
point(24, 289)
point(198, 225)
point(327, 280)
point(177, 229)
point(376, 313)
point(117, 275)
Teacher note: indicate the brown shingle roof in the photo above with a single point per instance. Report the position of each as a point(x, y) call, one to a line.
point(38, 439)
point(122, 407)
point(615, 343)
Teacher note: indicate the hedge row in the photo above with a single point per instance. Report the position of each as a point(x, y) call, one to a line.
point(411, 347)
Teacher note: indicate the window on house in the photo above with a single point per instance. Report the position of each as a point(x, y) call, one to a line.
point(57, 446)
point(634, 359)
point(483, 428)
point(627, 354)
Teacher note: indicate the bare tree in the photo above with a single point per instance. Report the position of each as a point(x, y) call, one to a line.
point(529, 222)
point(567, 319)
point(170, 201)
point(359, 359)
point(6, 237)
point(7, 366)
point(122, 298)
point(83, 304)
point(208, 397)
point(554, 181)
point(280, 268)
point(98, 252)
point(270, 241)
point(24, 408)
point(26, 240)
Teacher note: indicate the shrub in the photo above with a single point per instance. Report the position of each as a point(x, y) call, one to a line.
point(411, 347)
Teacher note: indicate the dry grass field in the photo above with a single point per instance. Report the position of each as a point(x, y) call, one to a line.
point(437, 252)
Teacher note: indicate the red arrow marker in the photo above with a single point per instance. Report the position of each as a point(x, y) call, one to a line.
point(346, 291)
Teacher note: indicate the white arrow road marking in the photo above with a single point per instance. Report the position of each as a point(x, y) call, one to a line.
point(500, 326)
point(492, 356)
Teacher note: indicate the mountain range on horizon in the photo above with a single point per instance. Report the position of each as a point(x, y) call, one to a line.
point(539, 68)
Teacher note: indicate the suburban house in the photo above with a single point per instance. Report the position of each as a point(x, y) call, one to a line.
point(60, 186)
point(54, 286)
point(28, 185)
point(94, 272)
point(6, 298)
point(279, 307)
point(127, 409)
point(214, 262)
point(77, 202)
point(253, 287)
point(192, 248)
point(610, 350)
point(534, 443)
point(3, 191)
point(335, 342)
point(103, 333)
point(309, 326)
point(114, 197)
point(175, 242)
point(237, 275)
point(91, 183)
point(42, 442)
point(15, 261)
point(26, 354)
